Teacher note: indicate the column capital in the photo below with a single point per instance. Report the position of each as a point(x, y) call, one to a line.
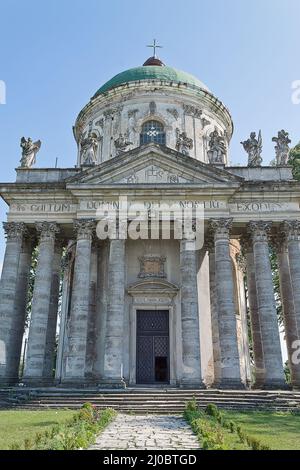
point(220, 227)
point(47, 230)
point(290, 230)
point(84, 228)
point(15, 230)
point(259, 230)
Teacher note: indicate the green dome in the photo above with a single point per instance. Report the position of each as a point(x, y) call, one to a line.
point(151, 72)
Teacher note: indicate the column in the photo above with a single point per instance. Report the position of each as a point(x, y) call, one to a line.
point(78, 323)
point(36, 348)
point(113, 354)
point(53, 312)
point(259, 365)
point(214, 314)
point(191, 362)
point(274, 374)
point(230, 361)
point(12, 307)
point(289, 268)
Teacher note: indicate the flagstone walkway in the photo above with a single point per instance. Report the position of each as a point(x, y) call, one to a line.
point(133, 432)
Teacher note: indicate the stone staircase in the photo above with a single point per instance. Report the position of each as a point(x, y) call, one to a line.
point(143, 400)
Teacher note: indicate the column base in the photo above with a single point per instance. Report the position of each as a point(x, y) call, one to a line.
point(275, 385)
point(38, 381)
point(190, 384)
point(231, 384)
point(9, 381)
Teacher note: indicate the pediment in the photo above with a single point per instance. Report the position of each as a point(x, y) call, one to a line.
point(153, 164)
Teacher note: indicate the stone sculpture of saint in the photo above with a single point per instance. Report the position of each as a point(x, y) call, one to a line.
point(282, 147)
point(29, 151)
point(89, 147)
point(183, 143)
point(217, 148)
point(253, 147)
point(121, 144)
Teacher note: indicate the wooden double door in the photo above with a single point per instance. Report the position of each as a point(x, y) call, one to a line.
point(153, 350)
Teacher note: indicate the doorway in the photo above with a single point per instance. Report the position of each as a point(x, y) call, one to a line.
point(152, 354)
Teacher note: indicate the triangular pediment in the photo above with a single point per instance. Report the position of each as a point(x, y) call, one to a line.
point(153, 164)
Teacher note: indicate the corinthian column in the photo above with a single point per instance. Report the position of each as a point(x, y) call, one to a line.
point(210, 244)
point(40, 303)
point(289, 264)
point(230, 374)
point(13, 286)
point(115, 313)
point(259, 366)
point(191, 362)
point(78, 323)
point(273, 376)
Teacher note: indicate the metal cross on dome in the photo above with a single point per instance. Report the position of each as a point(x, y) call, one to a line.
point(155, 46)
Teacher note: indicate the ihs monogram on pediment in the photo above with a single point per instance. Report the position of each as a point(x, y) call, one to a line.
point(152, 174)
point(152, 266)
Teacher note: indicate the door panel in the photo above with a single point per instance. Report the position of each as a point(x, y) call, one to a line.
point(152, 352)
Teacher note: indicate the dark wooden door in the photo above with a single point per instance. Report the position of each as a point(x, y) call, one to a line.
point(152, 350)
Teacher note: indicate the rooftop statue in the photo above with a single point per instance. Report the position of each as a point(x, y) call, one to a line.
point(183, 143)
point(217, 148)
point(29, 151)
point(89, 147)
point(282, 147)
point(253, 147)
point(121, 144)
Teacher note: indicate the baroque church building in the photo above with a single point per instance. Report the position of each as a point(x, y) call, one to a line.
point(121, 311)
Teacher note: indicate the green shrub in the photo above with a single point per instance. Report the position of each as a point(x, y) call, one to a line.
point(78, 433)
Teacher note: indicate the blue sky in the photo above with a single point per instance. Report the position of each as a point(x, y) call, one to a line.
point(56, 54)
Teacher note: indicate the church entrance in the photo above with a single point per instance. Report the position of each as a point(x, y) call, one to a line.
point(152, 354)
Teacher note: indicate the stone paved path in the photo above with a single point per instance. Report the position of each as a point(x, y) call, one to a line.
point(129, 432)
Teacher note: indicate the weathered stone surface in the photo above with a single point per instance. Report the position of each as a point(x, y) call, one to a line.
point(230, 362)
point(36, 349)
point(78, 323)
point(12, 300)
point(273, 374)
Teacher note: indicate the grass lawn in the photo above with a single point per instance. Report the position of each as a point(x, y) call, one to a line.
point(280, 431)
point(15, 426)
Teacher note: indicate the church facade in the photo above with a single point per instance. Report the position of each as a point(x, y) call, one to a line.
point(109, 309)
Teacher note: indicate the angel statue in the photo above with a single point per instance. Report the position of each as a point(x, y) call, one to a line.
point(282, 147)
point(217, 148)
point(183, 143)
point(89, 147)
point(29, 151)
point(253, 147)
point(121, 144)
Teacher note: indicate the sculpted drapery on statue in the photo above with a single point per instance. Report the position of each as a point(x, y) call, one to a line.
point(29, 151)
point(217, 148)
point(282, 148)
point(121, 144)
point(253, 147)
point(89, 147)
point(183, 143)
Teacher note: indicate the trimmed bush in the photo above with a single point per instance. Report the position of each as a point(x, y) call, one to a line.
point(78, 433)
